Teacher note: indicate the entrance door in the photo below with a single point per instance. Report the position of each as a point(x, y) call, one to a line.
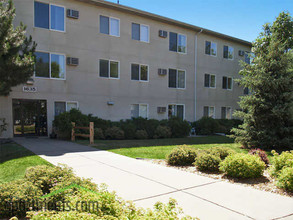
point(29, 117)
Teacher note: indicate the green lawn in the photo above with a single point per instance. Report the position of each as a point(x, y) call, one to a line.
point(159, 148)
point(14, 159)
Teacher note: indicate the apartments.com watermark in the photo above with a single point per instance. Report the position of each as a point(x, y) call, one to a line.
point(45, 204)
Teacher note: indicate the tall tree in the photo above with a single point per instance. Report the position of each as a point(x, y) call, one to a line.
point(267, 112)
point(16, 50)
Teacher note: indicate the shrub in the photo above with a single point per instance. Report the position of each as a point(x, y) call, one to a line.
point(261, 153)
point(129, 128)
point(207, 162)
point(72, 215)
point(100, 123)
point(99, 134)
point(16, 192)
point(179, 128)
point(222, 152)
point(163, 132)
point(225, 125)
point(149, 125)
point(285, 159)
point(242, 166)
point(114, 133)
point(285, 179)
point(141, 134)
point(206, 126)
point(181, 156)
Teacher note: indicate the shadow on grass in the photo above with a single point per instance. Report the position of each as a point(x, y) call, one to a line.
point(116, 144)
point(11, 150)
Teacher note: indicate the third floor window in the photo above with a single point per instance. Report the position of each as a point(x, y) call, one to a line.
point(140, 32)
point(228, 53)
point(211, 48)
point(49, 16)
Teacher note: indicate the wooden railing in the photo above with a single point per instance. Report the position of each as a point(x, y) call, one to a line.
point(90, 135)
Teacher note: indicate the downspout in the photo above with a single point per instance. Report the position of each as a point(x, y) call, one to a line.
point(195, 72)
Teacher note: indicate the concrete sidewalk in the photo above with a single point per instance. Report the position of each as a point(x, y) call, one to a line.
point(147, 183)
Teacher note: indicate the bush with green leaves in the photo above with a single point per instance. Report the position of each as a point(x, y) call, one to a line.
point(261, 153)
point(181, 156)
point(222, 152)
point(179, 128)
point(207, 162)
point(225, 125)
point(280, 161)
point(285, 179)
point(206, 126)
point(114, 133)
point(242, 166)
point(129, 128)
point(141, 134)
point(163, 132)
point(99, 134)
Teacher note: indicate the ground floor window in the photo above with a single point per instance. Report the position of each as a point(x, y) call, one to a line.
point(209, 111)
point(61, 107)
point(139, 110)
point(226, 113)
point(176, 110)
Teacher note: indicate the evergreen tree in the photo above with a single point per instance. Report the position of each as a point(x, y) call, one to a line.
point(16, 50)
point(267, 112)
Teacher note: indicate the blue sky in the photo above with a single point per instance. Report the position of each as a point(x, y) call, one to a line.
point(239, 18)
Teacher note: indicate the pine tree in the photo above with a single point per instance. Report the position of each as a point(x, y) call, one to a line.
point(267, 112)
point(16, 50)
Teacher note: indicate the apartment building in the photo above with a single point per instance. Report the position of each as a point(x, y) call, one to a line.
point(118, 62)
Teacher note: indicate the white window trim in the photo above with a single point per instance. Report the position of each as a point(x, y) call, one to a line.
point(65, 105)
point(177, 79)
point(232, 80)
point(210, 80)
point(139, 73)
point(140, 32)
point(139, 104)
point(178, 43)
point(212, 42)
point(228, 52)
point(109, 66)
point(50, 17)
point(38, 77)
point(176, 109)
point(109, 25)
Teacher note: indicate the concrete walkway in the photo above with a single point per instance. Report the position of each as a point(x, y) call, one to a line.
point(147, 183)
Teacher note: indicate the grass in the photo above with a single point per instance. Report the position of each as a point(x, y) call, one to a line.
point(14, 159)
point(159, 148)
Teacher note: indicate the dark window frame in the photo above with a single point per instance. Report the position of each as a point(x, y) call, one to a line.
point(139, 72)
point(108, 75)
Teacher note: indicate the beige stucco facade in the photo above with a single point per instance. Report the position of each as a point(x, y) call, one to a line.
point(82, 39)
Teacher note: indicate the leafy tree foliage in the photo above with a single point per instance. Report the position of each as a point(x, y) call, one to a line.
point(16, 50)
point(268, 111)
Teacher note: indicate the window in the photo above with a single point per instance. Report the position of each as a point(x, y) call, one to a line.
point(211, 48)
point(246, 91)
point(140, 32)
point(110, 26)
point(247, 57)
point(139, 72)
point(176, 111)
point(227, 83)
point(177, 42)
point(50, 65)
point(226, 113)
point(139, 110)
point(228, 52)
point(209, 111)
point(61, 107)
point(49, 16)
point(109, 69)
point(209, 81)
point(176, 79)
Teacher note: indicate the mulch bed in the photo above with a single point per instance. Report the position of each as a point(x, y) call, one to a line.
point(264, 183)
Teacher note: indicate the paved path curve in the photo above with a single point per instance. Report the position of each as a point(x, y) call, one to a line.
point(147, 183)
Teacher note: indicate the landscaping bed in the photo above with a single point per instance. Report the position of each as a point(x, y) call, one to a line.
point(264, 183)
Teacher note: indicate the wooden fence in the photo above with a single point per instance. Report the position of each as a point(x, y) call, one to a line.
point(90, 135)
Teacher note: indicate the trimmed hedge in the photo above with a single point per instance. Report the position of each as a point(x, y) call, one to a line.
point(126, 129)
point(243, 166)
point(285, 179)
point(285, 159)
point(181, 156)
point(207, 162)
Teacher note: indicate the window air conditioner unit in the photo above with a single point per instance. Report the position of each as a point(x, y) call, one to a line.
point(72, 13)
point(162, 109)
point(241, 53)
point(163, 34)
point(72, 61)
point(162, 72)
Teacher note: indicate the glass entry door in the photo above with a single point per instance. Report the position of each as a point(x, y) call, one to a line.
point(29, 117)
